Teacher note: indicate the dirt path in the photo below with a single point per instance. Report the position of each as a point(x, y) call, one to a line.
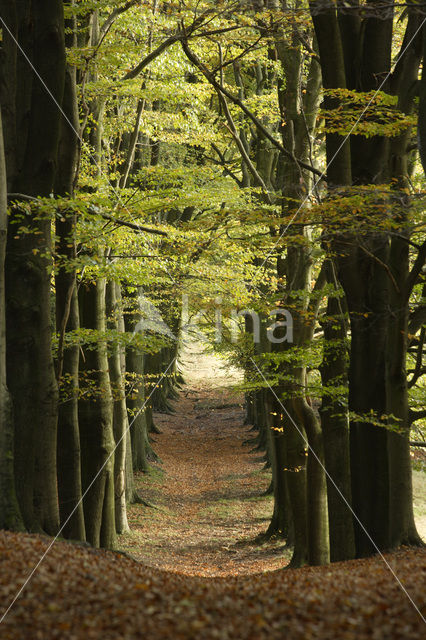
point(210, 490)
point(211, 504)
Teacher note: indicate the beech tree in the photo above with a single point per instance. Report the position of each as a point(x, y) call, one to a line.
point(373, 264)
point(31, 126)
point(10, 517)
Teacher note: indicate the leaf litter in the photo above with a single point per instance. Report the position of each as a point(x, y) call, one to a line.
point(191, 568)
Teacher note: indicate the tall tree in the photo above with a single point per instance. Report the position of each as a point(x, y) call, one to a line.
point(32, 79)
point(366, 269)
point(96, 421)
point(10, 517)
point(67, 315)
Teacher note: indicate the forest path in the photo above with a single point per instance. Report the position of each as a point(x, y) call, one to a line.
point(210, 499)
point(209, 487)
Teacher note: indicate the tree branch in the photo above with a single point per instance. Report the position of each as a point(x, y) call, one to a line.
point(182, 32)
point(131, 225)
point(223, 164)
point(113, 16)
point(315, 302)
point(419, 369)
point(415, 271)
point(416, 320)
point(416, 415)
point(151, 56)
point(106, 216)
point(240, 145)
point(413, 416)
point(209, 76)
point(223, 65)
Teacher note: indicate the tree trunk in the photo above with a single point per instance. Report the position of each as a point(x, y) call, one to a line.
point(281, 522)
point(136, 401)
point(401, 517)
point(35, 118)
point(96, 422)
point(318, 534)
point(67, 317)
point(120, 419)
point(335, 429)
point(381, 473)
point(69, 448)
point(10, 517)
point(295, 472)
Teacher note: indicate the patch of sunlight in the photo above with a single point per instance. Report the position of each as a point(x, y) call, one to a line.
point(419, 493)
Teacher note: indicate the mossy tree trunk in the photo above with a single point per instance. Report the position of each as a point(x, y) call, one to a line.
point(120, 418)
point(96, 421)
point(136, 400)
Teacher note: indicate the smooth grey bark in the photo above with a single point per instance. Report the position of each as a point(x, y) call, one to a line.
point(136, 401)
point(96, 422)
point(120, 418)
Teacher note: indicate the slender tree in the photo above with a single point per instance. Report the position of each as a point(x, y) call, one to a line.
point(96, 421)
point(67, 315)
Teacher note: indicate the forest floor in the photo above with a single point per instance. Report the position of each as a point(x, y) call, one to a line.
point(209, 491)
point(192, 570)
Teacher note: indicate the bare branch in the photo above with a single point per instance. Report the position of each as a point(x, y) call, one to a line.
point(113, 16)
point(223, 163)
point(151, 56)
point(416, 415)
point(416, 320)
point(419, 368)
point(232, 128)
point(417, 267)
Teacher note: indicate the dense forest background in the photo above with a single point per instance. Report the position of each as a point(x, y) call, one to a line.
point(254, 167)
